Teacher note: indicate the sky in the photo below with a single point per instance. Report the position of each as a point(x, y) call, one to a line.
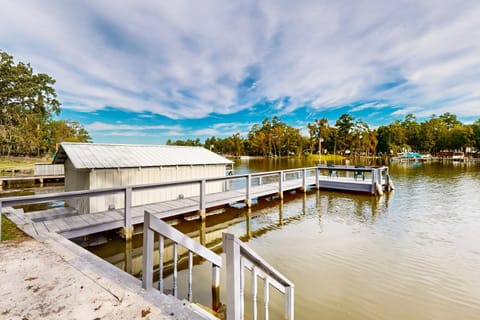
point(144, 71)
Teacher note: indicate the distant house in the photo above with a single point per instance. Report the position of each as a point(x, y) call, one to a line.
point(93, 166)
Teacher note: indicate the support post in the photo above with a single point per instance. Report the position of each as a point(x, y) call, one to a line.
point(248, 197)
point(280, 184)
point(147, 271)
point(232, 252)
point(203, 200)
point(373, 171)
point(215, 288)
point(317, 178)
point(304, 180)
point(127, 217)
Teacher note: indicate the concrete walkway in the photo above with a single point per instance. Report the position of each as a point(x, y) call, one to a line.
point(52, 278)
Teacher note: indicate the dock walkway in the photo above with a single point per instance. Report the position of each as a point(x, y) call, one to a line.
point(68, 223)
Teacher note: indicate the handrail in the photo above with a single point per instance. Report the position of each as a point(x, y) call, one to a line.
point(153, 224)
point(240, 256)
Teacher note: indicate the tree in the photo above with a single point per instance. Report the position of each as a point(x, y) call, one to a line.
point(27, 103)
point(344, 125)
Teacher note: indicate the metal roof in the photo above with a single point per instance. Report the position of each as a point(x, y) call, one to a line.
point(96, 155)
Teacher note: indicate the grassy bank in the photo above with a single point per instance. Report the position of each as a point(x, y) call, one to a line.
point(10, 230)
point(19, 163)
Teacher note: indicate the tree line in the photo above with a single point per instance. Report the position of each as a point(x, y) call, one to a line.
point(348, 137)
point(28, 103)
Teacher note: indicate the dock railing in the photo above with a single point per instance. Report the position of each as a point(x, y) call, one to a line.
point(279, 178)
point(154, 225)
point(240, 257)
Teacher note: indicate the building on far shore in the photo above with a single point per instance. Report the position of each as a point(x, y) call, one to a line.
point(91, 166)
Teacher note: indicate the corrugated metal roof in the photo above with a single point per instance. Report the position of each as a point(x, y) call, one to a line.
point(96, 155)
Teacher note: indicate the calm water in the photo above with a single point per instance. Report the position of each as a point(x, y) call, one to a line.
point(412, 254)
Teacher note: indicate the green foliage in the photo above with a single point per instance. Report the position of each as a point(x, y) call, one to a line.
point(28, 103)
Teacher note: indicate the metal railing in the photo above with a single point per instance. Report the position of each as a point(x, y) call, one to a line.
point(240, 257)
point(154, 225)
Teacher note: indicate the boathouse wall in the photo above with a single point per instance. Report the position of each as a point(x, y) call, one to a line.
point(105, 178)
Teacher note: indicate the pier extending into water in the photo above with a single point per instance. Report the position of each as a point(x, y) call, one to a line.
point(240, 188)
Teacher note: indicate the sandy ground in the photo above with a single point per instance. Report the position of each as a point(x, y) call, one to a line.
point(39, 282)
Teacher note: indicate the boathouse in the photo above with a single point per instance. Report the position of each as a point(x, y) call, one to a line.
point(91, 166)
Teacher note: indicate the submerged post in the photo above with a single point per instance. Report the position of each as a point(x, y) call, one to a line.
point(203, 199)
point(248, 187)
point(127, 217)
point(215, 288)
point(280, 184)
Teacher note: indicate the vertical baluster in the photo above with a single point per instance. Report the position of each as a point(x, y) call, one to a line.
point(266, 295)
point(190, 274)
point(161, 241)
point(254, 292)
point(175, 273)
point(242, 287)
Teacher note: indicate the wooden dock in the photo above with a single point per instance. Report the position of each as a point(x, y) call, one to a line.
point(37, 179)
point(70, 224)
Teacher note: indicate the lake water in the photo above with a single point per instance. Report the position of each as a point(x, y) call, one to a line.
point(410, 254)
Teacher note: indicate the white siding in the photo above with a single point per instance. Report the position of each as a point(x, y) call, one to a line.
point(48, 169)
point(76, 180)
point(104, 178)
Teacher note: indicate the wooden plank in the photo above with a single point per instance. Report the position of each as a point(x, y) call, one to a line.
point(40, 227)
point(51, 226)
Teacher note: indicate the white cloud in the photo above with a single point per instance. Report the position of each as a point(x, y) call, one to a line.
point(102, 126)
point(187, 59)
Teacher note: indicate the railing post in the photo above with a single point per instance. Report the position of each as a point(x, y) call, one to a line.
point(304, 181)
point(280, 185)
point(289, 303)
point(232, 252)
point(203, 199)
point(147, 276)
point(387, 179)
point(127, 217)
point(248, 199)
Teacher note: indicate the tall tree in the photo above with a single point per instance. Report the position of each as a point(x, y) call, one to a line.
point(27, 103)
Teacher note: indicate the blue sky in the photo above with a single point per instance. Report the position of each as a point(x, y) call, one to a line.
point(147, 71)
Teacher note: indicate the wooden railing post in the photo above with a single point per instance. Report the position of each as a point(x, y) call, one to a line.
point(147, 276)
point(127, 217)
point(248, 186)
point(232, 252)
point(280, 184)
point(203, 199)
